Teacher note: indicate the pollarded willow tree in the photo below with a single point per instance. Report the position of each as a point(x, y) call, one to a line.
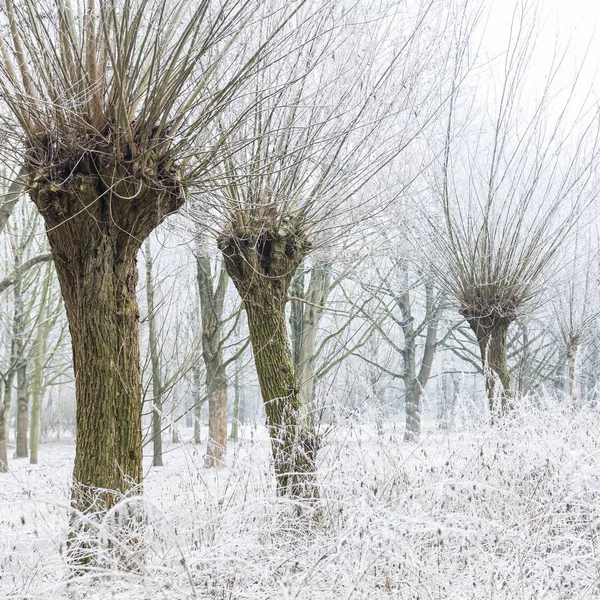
point(112, 104)
point(359, 92)
point(512, 189)
point(575, 307)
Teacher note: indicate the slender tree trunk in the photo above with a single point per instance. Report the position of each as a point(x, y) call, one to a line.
point(38, 373)
point(175, 437)
point(297, 313)
point(96, 224)
point(316, 296)
point(415, 384)
point(38, 376)
point(197, 405)
point(216, 385)
point(571, 360)
point(22, 410)
point(212, 297)
point(5, 408)
point(3, 448)
point(412, 391)
point(261, 268)
point(157, 396)
point(235, 421)
point(9, 199)
point(59, 413)
point(3, 452)
point(491, 336)
point(21, 369)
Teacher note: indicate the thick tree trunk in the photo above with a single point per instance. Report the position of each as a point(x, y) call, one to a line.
point(261, 267)
point(96, 224)
point(99, 293)
point(491, 333)
point(293, 444)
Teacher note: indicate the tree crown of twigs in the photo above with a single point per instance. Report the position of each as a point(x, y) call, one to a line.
point(511, 194)
point(127, 80)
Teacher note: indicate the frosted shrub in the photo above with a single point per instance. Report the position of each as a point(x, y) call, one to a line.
point(508, 511)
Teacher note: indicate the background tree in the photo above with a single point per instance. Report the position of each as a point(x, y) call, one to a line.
point(157, 386)
point(576, 307)
point(499, 238)
point(212, 290)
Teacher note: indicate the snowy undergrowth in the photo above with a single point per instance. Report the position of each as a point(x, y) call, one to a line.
point(508, 511)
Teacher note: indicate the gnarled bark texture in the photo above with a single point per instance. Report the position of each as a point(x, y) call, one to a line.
point(97, 216)
point(491, 330)
point(261, 266)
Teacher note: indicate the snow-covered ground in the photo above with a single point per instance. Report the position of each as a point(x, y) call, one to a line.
point(510, 511)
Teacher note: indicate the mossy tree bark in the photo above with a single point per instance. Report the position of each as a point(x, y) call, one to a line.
point(261, 266)
point(212, 298)
point(491, 330)
point(97, 217)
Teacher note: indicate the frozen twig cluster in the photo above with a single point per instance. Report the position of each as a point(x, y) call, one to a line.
point(507, 511)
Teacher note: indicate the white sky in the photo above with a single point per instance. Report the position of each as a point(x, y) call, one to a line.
point(566, 26)
point(562, 20)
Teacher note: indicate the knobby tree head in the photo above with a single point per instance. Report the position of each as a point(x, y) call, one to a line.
point(325, 125)
point(120, 98)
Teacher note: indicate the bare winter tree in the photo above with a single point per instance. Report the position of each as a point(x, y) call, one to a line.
point(510, 200)
point(112, 106)
point(296, 173)
point(576, 307)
